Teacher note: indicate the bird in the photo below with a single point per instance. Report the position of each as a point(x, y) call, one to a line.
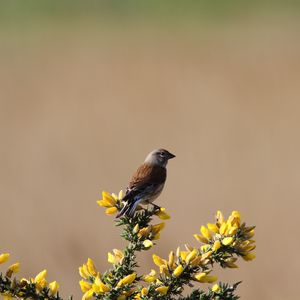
point(147, 182)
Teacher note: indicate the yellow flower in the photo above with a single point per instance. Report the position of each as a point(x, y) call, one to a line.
point(111, 210)
point(127, 280)
point(206, 255)
point(200, 276)
point(53, 287)
point(115, 258)
point(144, 291)
point(233, 230)
point(4, 257)
point(158, 261)
point(40, 277)
point(107, 201)
point(144, 231)
point(162, 214)
point(118, 197)
point(147, 244)
point(219, 218)
point(7, 297)
point(205, 232)
point(249, 248)
point(204, 278)
point(188, 247)
point(196, 261)
point(163, 269)
point(211, 279)
point(191, 255)
point(235, 218)
point(99, 287)
point(216, 288)
point(84, 272)
point(91, 267)
point(136, 228)
point(250, 234)
point(249, 256)
point(178, 271)
point(110, 201)
point(216, 246)
point(201, 238)
point(213, 227)
point(13, 269)
point(88, 295)
point(227, 241)
point(157, 228)
point(171, 259)
point(150, 277)
point(183, 255)
point(85, 286)
point(223, 228)
point(162, 290)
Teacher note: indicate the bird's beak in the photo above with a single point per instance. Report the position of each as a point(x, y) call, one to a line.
point(170, 155)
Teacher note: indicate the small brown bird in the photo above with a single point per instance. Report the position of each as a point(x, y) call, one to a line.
point(147, 182)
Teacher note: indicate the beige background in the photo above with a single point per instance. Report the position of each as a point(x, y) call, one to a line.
point(81, 106)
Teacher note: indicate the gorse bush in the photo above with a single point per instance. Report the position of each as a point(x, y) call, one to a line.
point(221, 243)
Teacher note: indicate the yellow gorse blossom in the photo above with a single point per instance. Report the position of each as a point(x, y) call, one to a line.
point(110, 201)
point(127, 280)
point(147, 243)
point(222, 243)
point(249, 256)
point(151, 277)
point(158, 261)
point(53, 287)
point(223, 233)
point(162, 214)
point(88, 295)
point(116, 257)
point(40, 276)
point(216, 288)
point(204, 278)
point(4, 257)
point(99, 287)
point(151, 232)
point(162, 290)
point(178, 271)
point(85, 286)
point(13, 269)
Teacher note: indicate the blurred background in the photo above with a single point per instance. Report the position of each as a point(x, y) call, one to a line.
point(88, 88)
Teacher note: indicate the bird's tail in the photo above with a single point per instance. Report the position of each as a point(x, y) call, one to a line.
point(128, 209)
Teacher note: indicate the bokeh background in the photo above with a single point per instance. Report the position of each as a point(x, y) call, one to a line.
point(88, 88)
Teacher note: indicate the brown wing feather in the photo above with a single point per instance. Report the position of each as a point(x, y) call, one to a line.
point(148, 174)
point(145, 176)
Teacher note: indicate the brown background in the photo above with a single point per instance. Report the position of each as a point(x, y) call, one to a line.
point(82, 105)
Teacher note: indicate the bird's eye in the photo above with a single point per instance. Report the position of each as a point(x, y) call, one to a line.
point(162, 154)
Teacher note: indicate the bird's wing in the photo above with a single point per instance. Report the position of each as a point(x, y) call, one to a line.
point(146, 177)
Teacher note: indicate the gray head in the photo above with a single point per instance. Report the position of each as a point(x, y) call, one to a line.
point(159, 157)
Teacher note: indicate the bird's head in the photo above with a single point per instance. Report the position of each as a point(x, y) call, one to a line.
point(159, 157)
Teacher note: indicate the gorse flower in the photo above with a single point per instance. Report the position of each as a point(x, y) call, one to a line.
point(116, 257)
point(222, 243)
point(111, 202)
point(227, 238)
point(33, 288)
